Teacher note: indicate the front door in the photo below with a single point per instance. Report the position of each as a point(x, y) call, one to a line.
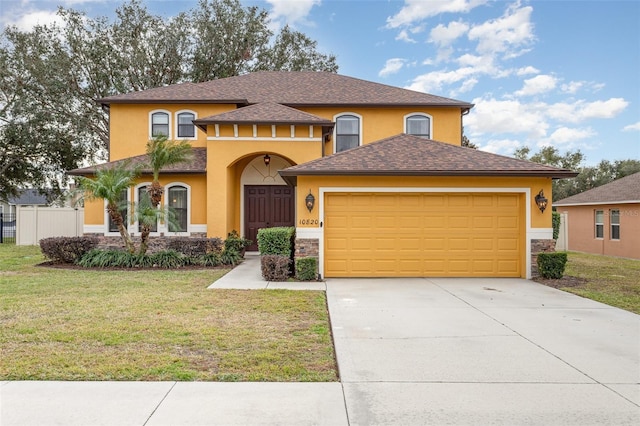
point(266, 206)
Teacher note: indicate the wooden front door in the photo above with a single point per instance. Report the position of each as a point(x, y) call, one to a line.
point(266, 206)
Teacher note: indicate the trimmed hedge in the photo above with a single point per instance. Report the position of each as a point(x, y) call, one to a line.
point(66, 249)
point(276, 241)
point(194, 247)
point(307, 268)
point(551, 264)
point(555, 222)
point(275, 267)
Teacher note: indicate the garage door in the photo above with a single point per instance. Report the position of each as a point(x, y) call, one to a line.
point(416, 234)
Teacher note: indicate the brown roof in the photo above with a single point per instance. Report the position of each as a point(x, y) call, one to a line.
point(406, 155)
point(623, 190)
point(198, 164)
point(265, 113)
point(297, 88)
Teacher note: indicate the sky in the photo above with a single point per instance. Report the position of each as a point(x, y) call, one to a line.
point(540, 72)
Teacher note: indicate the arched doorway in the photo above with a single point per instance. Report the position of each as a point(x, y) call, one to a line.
point(267, 200)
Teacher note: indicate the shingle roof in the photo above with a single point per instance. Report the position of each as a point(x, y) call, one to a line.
point(406, 155)
point(623, 190)
point(29, 197)
point(198, 164)
point(287, 88)
point(265, 113)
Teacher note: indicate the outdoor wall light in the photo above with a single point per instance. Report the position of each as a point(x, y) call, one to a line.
point(541, 201)
point(310, 201)
point(266, 159)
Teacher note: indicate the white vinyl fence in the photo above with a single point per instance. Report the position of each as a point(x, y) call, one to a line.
point(35, 223)
point(562, 244)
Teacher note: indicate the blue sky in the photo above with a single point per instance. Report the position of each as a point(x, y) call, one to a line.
point(561, 73)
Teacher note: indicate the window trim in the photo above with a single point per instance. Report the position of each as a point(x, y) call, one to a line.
point(177, 124)
point(136, 223)
point(107, 219)
point(611, 224)
point(421, 114)
point(166, 206)
point(155, 111)
point(335, 128)
point(596, 224)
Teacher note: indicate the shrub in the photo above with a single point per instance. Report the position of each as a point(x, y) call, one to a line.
point(210, 259)
point(555, 222)
point(230, 257)
point(236, 243)
point(552, 264)
point(168, 259)
point(306, 268)
point(278, 241)
point(195, 247)
point(275, 267)
point(66, 249)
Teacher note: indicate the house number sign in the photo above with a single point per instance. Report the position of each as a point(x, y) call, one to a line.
point(308, 221)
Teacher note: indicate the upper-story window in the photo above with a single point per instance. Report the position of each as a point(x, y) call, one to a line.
point(347, 132)
point(185, 126)
point(418, 125)
point(160, 124)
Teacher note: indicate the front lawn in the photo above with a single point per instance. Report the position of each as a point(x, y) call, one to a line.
point(59, 324)
point(609, 280)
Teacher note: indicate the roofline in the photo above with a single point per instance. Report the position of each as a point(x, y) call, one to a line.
point(515, 173)
point(80, 172)
point(106, 101)
point(263, 122)
point(595, 203)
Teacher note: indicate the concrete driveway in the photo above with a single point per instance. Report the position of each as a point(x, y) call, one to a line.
point(482, 351)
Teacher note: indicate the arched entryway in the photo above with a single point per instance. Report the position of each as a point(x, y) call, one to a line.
point(267, 200)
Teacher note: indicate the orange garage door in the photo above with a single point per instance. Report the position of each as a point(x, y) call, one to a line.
point(417, 234)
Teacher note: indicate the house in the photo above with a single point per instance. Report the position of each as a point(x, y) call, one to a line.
point(26, 197)
point(605, 220)
point(353, 165)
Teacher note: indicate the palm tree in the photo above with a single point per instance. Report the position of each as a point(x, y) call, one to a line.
point(162, 153)
point(108, 185)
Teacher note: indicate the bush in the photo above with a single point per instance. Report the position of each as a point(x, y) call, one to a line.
point(67, 249)
point(210, 259)
point(235, 242)
point(552, 264)
point(169, 259)
point(230, 257)
point(306, 268)
point(275, 267)
point(278, 241)
point(195, 247)
point(555, 222)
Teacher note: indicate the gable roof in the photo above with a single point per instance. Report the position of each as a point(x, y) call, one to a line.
point(623, 190)
point(198, 164)
point(29, 197)
point(293, 88)
point(407, 155)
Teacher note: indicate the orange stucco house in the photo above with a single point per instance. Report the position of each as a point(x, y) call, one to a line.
point(605, 220)
point(373, 177)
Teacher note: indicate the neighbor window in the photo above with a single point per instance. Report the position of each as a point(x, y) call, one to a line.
point(347, 132)
point(159, 124)
point(599, 224)
point(418, 125)
point(122, 206)
point(178, 205)
point(186, 129)
point(144, 202)
point(615, 224)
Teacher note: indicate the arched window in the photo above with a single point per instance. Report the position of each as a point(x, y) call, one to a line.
point(160, 124)
point(179, 206)
point(347, 132)
point(418, 125)
point(144, 201)
point(185, 126)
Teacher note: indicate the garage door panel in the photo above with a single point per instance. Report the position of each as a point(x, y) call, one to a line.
point(414, 234)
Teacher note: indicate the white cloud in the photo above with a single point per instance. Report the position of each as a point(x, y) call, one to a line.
point(433, 81)
point(527, 70)
point(565, 135)
point(404, 36)
point(291, 11)
point(539, 84)
point(572, 87)
point(501, 146)
point(506, 116)
point(632, 127)
point(581, 110)
point(417, 10)
point(508, 34)
point(29, 20)
point(444, 36)
point(392, 66)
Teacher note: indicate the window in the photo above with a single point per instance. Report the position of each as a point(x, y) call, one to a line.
point(599, 224)
point(144, 201)
point(178, 204)
point(615, 224)
point(186, 129)
point(122, 204)
point(347, 132)
point(418, 125)
point(159, 124)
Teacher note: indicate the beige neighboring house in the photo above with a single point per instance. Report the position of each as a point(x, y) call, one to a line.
point(605, 220)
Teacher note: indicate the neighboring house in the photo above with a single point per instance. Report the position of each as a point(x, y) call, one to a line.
point(605, 220)
point(26, 197)
point(352, 164)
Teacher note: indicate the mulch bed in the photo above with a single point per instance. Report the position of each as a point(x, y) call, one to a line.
point(566, 281)
point(52, 265)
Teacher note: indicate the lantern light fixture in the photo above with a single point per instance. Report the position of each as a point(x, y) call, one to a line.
point(267, 159)
point(541, 201)
point(310, 201)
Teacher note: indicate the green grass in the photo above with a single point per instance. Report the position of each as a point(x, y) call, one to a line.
point(61, 324)
point(610, 280)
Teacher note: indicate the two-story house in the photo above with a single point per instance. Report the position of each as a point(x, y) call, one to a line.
point(373, 177)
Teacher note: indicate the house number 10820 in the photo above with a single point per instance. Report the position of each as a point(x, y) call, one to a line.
point(308, 221)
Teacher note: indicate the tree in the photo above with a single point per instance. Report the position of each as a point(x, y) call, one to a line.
point(108, 185)
point(163, 152)
point(466, 142)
